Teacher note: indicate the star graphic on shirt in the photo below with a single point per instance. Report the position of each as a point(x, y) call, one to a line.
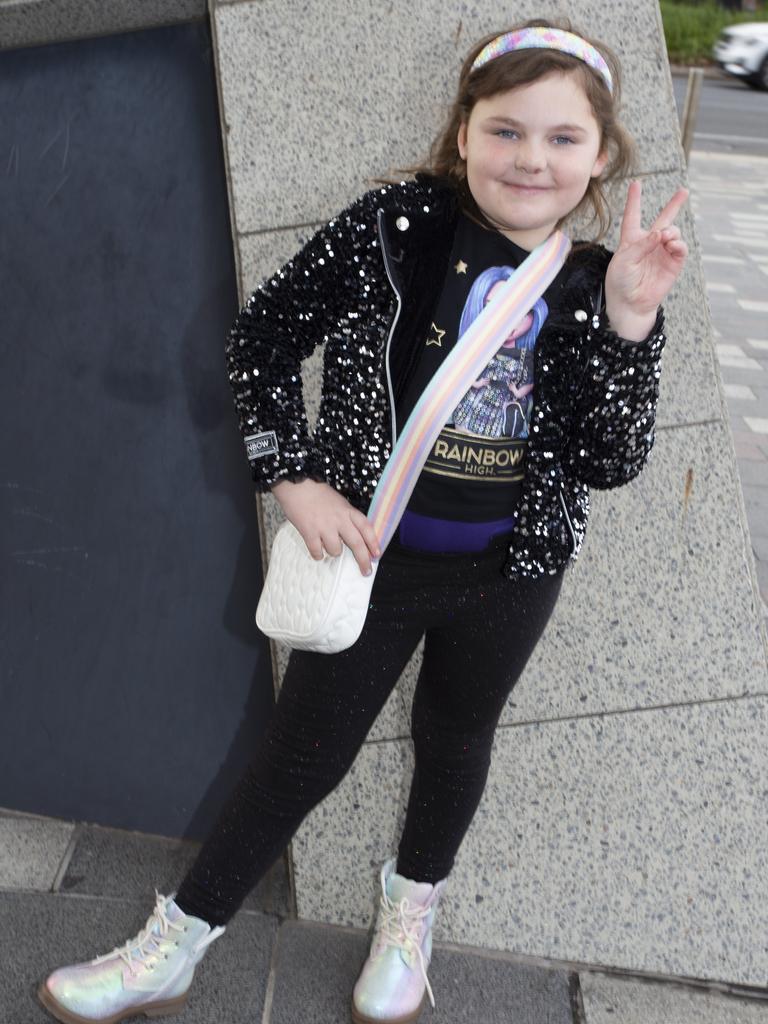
point(461, 267)
point(439, 339)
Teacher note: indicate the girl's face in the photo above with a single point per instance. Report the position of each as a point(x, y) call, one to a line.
point(542, 135)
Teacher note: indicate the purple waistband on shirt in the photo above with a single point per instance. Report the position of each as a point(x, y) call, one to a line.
point(426, 533)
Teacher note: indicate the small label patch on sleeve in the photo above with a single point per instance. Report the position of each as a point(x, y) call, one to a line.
point(257, 445)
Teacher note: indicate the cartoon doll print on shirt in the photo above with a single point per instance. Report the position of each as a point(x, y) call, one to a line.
point(500, 401)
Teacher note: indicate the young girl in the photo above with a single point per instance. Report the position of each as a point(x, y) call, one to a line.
point(499, 509)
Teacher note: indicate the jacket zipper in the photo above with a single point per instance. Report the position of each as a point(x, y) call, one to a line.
point(382, 240)
point(568, 520)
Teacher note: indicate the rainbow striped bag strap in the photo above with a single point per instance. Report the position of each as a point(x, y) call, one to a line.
point(463, 364)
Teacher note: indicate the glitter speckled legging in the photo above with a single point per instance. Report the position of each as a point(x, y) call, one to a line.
point(480, 627)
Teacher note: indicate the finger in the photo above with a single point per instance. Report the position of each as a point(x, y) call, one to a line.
point(672, 209)
point(678, 250)
point(354, 540)
point(332, 542)
point(365, 526)
point(630, 222)
point(642, 247)
point(314, 545)
point(671, 235)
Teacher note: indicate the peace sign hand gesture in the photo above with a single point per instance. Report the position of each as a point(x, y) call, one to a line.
point(645, 265)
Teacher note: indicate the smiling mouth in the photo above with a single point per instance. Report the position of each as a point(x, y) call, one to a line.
point(525, 188)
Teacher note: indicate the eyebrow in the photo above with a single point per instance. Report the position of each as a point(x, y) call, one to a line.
point(519, 124)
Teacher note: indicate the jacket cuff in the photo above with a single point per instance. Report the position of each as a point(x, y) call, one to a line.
point(270, 464)
point(623, 352)
point(616, 405)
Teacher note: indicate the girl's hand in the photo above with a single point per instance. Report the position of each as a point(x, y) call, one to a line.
point(325, 518)
point(645, 265)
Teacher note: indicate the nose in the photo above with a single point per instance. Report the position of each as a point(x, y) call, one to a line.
point(529, 158)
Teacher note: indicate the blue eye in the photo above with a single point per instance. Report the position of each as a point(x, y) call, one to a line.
point(504, 132)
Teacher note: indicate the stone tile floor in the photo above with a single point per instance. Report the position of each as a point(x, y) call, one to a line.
point(69, 892)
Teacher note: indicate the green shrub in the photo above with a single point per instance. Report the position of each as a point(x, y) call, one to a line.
point(691, 29)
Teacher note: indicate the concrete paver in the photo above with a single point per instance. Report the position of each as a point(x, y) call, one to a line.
point(263, 970)
point(317, 966)
point(729, 198)
point(42, 931)
point(31, 850)
point(115, 862)
point(612, 1000)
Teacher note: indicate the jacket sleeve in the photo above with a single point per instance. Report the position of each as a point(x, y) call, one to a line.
point(613, 426)
point(280, 325)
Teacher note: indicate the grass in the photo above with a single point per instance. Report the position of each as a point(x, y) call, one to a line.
point(691, 29)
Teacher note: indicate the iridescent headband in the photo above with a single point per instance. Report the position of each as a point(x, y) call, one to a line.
point(545, 38)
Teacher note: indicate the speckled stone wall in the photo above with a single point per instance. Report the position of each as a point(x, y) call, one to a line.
point(36, 22)
point(624, 822)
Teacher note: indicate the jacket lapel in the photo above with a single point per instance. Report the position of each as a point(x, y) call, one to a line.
point(419, 260)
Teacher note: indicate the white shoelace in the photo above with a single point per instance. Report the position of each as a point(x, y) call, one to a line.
point(145, 936)
point(399, 926)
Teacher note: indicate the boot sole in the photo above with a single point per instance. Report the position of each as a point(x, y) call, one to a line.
point(410, 1018)
point(164, 1008)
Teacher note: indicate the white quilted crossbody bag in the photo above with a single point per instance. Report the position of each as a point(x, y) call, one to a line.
point(320, 605)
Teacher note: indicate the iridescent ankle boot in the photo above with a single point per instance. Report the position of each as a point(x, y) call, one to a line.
point(390, 989)
point(150, 974)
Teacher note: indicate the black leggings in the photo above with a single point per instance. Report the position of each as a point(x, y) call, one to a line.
point(481, 628)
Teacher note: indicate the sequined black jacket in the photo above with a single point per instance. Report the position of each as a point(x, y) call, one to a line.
point(365, 285)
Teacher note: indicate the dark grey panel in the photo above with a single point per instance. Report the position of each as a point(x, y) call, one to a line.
point(134, 682)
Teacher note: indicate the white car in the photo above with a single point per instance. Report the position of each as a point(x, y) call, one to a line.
point(742, 51)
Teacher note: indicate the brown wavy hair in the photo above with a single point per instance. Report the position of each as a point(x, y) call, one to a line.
point(521, 67)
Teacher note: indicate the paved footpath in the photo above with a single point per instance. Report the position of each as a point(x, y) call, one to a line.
point(70, 891)
point(729, 199)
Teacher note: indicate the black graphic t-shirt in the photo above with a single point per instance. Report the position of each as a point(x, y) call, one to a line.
point(471, 481)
